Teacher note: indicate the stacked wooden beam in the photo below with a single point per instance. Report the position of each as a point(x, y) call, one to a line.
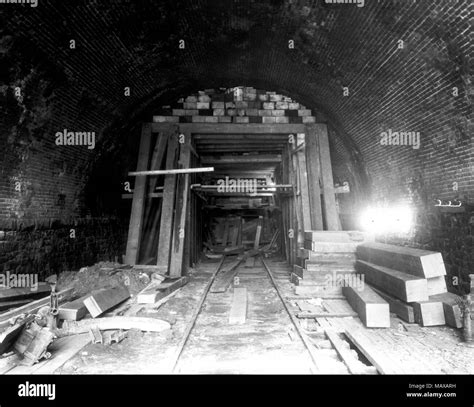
point(411, 280)
point(328, 256)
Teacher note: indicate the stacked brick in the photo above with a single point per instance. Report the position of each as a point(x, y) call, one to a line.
point(236, 105)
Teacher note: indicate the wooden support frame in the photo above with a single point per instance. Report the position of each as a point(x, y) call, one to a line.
point(179, 224)
point(138, 204)
point(314, 175)
point(304, 188)
point(167, 211)
point(329, 197)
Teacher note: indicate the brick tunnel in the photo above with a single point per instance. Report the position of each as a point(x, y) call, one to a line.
point(158, 137)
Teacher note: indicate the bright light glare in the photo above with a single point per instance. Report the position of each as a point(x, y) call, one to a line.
point(387, 220)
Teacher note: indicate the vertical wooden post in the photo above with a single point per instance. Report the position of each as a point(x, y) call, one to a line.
point(179, 229)
point(139, 191)
point(166, 224)
point(314, 175)
point(329, 197)
point(304, 191)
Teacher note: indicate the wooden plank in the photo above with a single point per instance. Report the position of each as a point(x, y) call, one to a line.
point(13, 304)
point(238, 311)
point(381, 360)
point(404, 286)
point(103, 300)
point(402, 310)
point(12, 294)
point(429, 313)
point(436, 285)
point(340, 236)
point(156, 291)
point(74, 310)
point(311, 315)
point(421, 263)
point(329, 197)
point(30, 308)
point(173, 171)
point(313, 166)
point(250, 262)
point(344, 352)
point(373, 310)
point(451, 306)
point(164, 242)
point(138, 203)
point(258, 233)
point(237, 128)
point(140, 323)
point(244, 159)
point(225, 277)
point(304, 188)
point(330, 247)
point(182, 201)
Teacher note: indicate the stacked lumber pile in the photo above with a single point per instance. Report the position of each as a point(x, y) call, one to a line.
point(412, 281)
point(327, 256)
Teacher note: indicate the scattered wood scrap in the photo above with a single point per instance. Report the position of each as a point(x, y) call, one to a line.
point(74, 310)
point(156, 291)
point(102, 300)
point(225, 277)
point(113, 323)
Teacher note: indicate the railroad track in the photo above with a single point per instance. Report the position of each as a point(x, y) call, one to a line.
point(210, 344)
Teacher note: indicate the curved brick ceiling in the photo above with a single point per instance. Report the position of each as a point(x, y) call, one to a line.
point(232, 43)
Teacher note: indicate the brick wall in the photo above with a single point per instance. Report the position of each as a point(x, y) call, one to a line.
point(49, 246)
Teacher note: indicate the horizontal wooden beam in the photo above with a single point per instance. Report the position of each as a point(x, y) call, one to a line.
point(249, 159)
point(168, 172)
point(237, 128)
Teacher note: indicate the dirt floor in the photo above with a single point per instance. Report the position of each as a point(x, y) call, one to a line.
point(266, 343)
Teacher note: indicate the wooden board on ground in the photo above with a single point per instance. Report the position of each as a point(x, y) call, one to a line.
point(344, 352)
point(436, 285)
point(396, 283)
point(402, 310)
point(5, 306)
point(452, 309)
point(382, 361)
point(74, 310)
point(250, 262)
point(429, 313)
point(12, 294)
point(373, 310)
point(103, 300)
point(113, 323)
point(225, 277)
point(421, 263)
point(156, 291)
point(238, 311)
